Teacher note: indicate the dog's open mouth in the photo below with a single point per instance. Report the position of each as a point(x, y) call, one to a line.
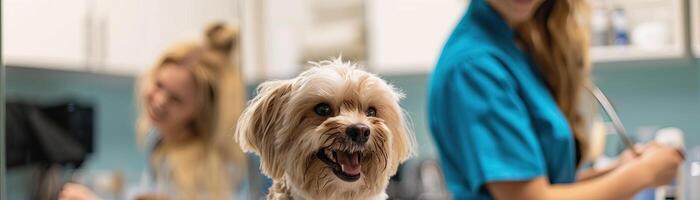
point(345, 165)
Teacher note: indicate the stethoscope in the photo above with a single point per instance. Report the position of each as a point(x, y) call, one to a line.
point(612, 115)
point(617, 123)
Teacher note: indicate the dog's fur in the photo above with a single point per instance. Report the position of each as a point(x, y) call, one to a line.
point(281, 126)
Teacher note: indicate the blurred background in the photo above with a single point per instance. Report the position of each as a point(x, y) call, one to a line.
point(75, 63)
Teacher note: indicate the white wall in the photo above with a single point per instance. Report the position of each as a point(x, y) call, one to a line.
point(406, 36)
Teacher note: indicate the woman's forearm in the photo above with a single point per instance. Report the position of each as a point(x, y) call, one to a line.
point(592, 173)
point(622, 183)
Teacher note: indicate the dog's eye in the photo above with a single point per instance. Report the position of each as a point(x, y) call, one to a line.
point(323, 109)
point(371, 112)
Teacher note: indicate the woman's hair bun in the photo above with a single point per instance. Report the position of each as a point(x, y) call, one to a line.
point(221, 37)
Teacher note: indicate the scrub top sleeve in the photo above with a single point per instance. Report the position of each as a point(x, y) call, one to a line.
point(491, 120)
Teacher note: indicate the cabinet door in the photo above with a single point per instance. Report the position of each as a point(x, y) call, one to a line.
point(178, 20)
point(125, 36)
point(45, 33)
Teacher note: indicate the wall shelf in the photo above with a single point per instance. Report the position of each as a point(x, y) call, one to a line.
point(630, 53)
point(655, 30)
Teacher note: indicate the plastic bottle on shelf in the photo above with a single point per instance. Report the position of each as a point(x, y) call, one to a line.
point(619, 27)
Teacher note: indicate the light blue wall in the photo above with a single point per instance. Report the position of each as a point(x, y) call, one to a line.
point(113, 98)
point(649, 93)
point(655, 93)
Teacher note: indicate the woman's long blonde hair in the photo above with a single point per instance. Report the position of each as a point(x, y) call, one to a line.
point(557, 37)
point(202, 165)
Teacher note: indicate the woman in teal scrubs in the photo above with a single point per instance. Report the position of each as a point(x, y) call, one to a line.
point(502, 108)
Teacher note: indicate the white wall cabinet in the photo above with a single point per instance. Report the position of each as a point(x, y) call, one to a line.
point(45, 33)
point(123, 37)
point(138, 31)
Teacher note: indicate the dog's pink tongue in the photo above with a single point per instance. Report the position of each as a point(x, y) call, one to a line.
point(350, 163)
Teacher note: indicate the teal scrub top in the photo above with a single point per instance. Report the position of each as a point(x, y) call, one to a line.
point(490, 112)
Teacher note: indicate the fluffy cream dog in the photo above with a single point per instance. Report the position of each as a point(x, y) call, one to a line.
point(333, 132)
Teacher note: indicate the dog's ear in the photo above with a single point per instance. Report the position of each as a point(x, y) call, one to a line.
point(403, 143)
point(258, 124)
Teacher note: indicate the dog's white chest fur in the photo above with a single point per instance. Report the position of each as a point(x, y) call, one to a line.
point(283, 190)
point(382, 196)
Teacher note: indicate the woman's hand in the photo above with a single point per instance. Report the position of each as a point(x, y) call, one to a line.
point(624, 158)
point(657, 165)
point(73, 191)
point(660, 162)
point(628, 155)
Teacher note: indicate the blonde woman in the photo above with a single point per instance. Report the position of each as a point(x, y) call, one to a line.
point(503, 108)
point(189, 103)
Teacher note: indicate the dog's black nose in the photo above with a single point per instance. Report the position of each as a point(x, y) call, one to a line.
point(358, 133)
